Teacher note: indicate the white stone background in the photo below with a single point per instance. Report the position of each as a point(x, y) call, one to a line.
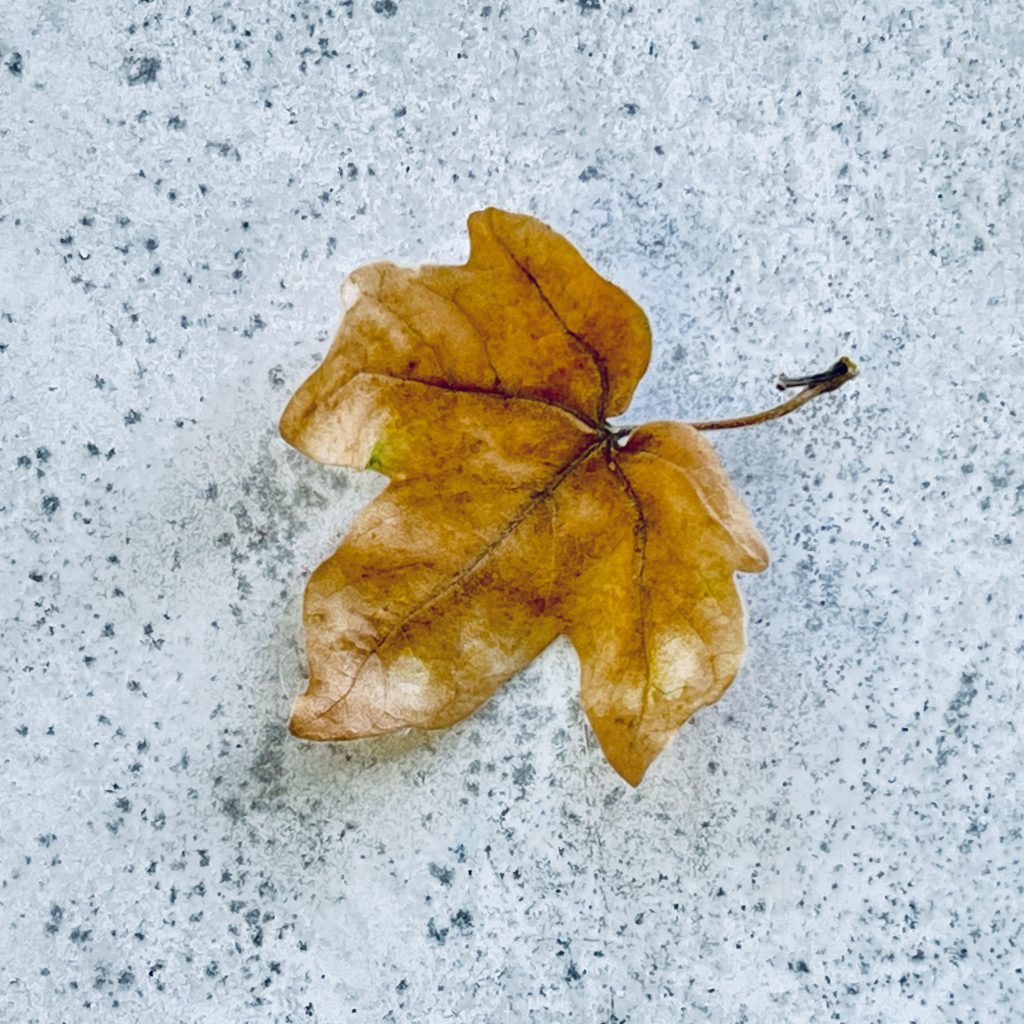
point(182, 190)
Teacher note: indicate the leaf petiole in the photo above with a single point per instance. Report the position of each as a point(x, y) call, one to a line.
point(813, 385)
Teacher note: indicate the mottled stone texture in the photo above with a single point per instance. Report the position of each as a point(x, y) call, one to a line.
point(182, 189)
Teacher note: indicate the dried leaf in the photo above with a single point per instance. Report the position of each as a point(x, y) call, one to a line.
point(515, 513)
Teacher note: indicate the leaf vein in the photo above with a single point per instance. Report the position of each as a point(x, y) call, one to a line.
point(513, 524)
point(581, 342)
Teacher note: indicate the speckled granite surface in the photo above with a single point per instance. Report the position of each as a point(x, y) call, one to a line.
point(182, 189)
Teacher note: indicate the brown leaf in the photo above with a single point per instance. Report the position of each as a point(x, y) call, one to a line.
point(515, 513)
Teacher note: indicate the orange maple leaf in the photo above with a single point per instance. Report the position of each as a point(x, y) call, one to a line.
point(515, 512)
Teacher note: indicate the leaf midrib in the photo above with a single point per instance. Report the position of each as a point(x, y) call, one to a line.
point(579, 340)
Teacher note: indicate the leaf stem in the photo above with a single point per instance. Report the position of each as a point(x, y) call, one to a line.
point(813, 385)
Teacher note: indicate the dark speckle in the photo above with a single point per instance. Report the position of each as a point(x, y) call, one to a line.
point(386, 8)
point(463, 920)
point(225, 149)
point(957, 711)
point(50, 504)
point(589, 173)
point(152, 244)
point(588, 5)
point(14, 64)
point(443, 875)
point(132, 417)
point(141, 70)
point(799, 966)
point(232, 809)
point(175, 122)
point(56, 916)
point(523, 774)
point(399, 111)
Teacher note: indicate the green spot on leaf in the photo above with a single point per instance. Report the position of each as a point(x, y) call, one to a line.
point(376, 460)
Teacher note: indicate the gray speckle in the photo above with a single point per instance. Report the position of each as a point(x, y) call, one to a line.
point(141, 70)
point(443, 875)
